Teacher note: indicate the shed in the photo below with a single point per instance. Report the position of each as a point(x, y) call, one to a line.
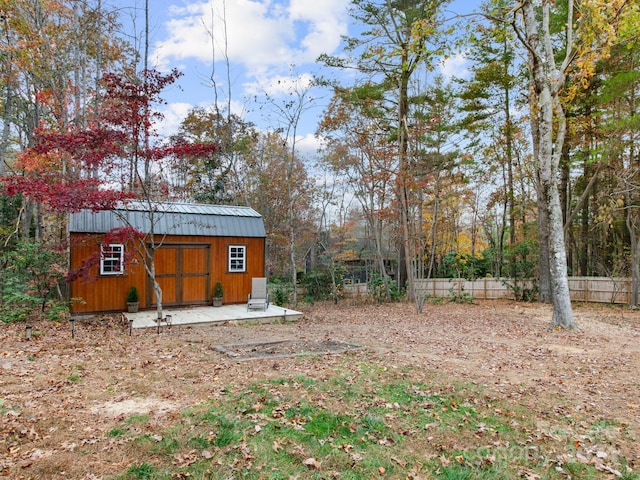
point(197, 246)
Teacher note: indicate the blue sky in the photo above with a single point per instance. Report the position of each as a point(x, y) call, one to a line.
point(270, 45)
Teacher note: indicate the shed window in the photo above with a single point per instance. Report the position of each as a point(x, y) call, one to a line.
point(111, 259)
point(237, 258)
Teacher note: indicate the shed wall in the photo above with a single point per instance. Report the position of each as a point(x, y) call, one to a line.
point(107, 293)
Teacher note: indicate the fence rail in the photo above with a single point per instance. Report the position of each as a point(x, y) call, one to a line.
point(584, 289)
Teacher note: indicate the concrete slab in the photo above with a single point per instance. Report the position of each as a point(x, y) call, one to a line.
point(225, 313)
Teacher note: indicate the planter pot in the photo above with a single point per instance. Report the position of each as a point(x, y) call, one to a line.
point(217, 301)
point(132, 307)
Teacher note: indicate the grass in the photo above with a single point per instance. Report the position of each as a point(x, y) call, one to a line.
point(134, 419)
point(3, 410)
point(366, 421)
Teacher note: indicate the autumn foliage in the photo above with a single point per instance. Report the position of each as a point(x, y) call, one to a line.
point(84, 168)
point(101, 163)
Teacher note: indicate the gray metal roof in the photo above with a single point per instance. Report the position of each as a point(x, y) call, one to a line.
point(170, 218)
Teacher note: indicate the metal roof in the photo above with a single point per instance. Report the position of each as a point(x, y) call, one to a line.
point(170, 218)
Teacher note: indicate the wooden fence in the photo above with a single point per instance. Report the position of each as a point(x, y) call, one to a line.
point(583, 289)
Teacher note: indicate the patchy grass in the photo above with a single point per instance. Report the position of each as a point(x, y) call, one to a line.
point(366, 421)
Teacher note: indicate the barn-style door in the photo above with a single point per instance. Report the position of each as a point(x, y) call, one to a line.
point(182, 270)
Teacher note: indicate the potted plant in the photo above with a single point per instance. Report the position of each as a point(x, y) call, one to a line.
point(218, 292)
point(133, 299)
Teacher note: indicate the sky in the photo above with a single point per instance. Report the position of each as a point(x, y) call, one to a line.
point(270, 46)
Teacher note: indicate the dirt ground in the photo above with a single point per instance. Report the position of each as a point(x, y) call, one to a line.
point(60, 396)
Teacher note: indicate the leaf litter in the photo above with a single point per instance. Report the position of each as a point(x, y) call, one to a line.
point(60, 396)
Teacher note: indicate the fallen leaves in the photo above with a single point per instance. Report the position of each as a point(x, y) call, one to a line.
point(313, 463)
point(556, 375)
point(183, 460)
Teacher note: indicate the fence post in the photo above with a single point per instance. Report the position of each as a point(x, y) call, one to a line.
point(587, 294)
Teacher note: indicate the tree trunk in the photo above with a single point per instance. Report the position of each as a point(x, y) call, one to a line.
point(434, 227)
point(502, 227)
point(631, 220)
point(292, 254)
point(292, 219)
point(149, 253)
point(377, 237)
point(635, 267)
point(509, 153)
point(560, 294)
point(403, 193)
point(544, 272)
point(6, 126)
point(548, 133)
point(584, 240)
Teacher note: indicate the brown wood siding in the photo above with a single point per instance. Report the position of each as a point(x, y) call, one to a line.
point(108, 293)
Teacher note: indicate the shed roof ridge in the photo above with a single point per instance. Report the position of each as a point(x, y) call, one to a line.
point(188, 207)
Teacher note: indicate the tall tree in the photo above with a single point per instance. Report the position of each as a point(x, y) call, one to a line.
point(220, 178)
point(549, 67)
point(357, 150)
point(433, 160)
point(49, 52)
point(265, 189)
point(619, 100)
point(289, 113)
point(488, 104)
point(400, 38)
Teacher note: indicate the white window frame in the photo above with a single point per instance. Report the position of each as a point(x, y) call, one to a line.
point(111, 259)
point(237, 258)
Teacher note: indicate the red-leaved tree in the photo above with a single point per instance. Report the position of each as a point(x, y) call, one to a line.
point(116, 158)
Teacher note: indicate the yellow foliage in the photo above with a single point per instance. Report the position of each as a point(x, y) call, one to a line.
point(33, 162)
point(599, 25)
point(346, 256)
point(464, 247)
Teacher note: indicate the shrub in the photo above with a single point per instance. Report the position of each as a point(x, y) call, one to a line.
point(30, 278)
point(132, 295)
point(280, 296)
point(522, 263)
point(279, 291)
point(382, 289)
point(462, 297)
point(319, 284)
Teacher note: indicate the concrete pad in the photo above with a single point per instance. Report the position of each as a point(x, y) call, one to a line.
point(219, 315)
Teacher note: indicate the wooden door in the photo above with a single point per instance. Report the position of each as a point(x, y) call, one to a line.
point(183, 274)
point(194, 279)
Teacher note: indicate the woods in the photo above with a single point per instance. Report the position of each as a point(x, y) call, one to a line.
point(525, 165)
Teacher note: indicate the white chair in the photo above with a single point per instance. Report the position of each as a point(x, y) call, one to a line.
point(259, 297)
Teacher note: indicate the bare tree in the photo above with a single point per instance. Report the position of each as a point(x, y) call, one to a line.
point(290, 112)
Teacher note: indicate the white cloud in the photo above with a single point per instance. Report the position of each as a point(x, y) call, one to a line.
point(279, 85)
point(308, 146)
point(260, 34)
point(252, 36)
point(327, 21)
point(271, 45)
point(455, 66)
point(173, 113)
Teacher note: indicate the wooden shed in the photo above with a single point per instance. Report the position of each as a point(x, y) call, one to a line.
point(197, 246)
